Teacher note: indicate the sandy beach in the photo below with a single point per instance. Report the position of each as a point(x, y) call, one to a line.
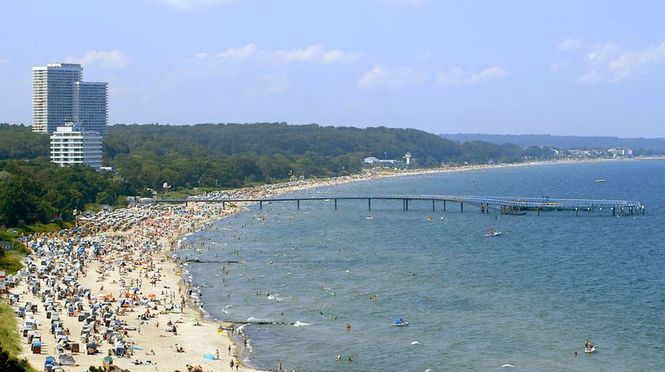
point(115, 288)
point(118, 291)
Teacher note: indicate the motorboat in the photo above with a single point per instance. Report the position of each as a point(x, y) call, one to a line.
point(492, 233)
point(400, 323)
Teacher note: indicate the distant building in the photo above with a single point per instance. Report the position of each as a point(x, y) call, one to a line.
point(91, 106)
point(383, 163)
point(371, 161)
point(71, 145)
point(614, 152)
point(407, 157)
point(53, 95)
point(59, 96)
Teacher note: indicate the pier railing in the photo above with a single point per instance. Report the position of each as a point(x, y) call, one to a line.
point(504, 204)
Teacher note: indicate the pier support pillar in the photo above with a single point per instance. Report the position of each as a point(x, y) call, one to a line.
point(444, 205)
point(223, 205)
point(538, 212)
point(614, 211)
point(369, 204)
point(407, 204)
point(260, 204)
point(433, 206)
point(335, 204)
point(298, 203)
point(461, 207)
point(576, 212)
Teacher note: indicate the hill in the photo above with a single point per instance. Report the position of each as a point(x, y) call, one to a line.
point(654, 145)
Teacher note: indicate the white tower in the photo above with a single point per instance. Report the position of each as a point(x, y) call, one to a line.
point(407, 156)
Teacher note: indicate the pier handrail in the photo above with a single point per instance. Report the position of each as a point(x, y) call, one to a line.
point(496, 201)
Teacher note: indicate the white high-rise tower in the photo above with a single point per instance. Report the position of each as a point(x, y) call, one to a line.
point(53, 95)
point(59, 96)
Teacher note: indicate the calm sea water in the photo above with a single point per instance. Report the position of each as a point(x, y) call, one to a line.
point(528, 298)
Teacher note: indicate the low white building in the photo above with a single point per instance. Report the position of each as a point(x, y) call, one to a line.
point(71, 145)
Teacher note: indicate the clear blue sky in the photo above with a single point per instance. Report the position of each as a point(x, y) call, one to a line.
point(559, 67)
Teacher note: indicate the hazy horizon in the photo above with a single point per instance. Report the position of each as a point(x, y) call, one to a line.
point(589, 69)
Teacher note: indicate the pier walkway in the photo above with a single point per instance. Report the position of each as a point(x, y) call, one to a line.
point(503, 204)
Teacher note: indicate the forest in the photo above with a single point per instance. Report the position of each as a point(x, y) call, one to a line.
point(144, 157)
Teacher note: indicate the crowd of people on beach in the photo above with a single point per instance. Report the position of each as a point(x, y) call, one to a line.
point(103, 288)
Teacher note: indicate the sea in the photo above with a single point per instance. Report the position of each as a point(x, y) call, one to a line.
point(334, 281)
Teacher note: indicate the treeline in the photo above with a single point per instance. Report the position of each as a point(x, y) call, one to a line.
point(40, 192)
point(18, 142)
point(232, 155)
point(145, 157)
point(640, 146)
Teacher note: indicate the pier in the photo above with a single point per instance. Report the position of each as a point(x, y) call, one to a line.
point(486, 204)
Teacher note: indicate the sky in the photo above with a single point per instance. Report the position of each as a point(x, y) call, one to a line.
point(500, 67)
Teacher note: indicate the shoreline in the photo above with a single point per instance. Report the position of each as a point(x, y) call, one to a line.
point(308, 184)
point(171, 270)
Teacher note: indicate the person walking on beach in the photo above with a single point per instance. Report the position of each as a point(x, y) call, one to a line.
point(229, 349)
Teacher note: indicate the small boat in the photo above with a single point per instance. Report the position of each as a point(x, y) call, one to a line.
point(400, 323)
point(600, 180)
point(492, 233)
point(370, 217)
point(588, 347)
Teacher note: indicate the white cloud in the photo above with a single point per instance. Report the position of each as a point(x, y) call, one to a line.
point(609, 62)
point(236, 54)
point(110, 59)
point(489, 73)
point(192, 4)
point(392, 77)
point(459, 76)
point(571, 44)
point(311, 54)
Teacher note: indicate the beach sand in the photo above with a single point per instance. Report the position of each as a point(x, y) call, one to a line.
point(158, 279)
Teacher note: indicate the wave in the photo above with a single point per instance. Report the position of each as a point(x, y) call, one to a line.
point(252, 319)
point(301, 324)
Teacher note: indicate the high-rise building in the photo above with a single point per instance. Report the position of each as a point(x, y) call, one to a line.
point(90, 106)
point(59, 96)
point(53, 95)
point(71, 145)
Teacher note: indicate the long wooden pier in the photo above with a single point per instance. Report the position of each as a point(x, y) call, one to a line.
point(502, 204)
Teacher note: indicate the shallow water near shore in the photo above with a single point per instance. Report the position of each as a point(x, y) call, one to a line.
point(527, 298)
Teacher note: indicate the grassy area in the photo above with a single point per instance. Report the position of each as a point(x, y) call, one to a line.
point(10, 340)
point(10, 259)
point(9, 337)
point(46, 228)
point(10, 262)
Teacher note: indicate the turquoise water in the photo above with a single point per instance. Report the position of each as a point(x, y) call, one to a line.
point(528, 298)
